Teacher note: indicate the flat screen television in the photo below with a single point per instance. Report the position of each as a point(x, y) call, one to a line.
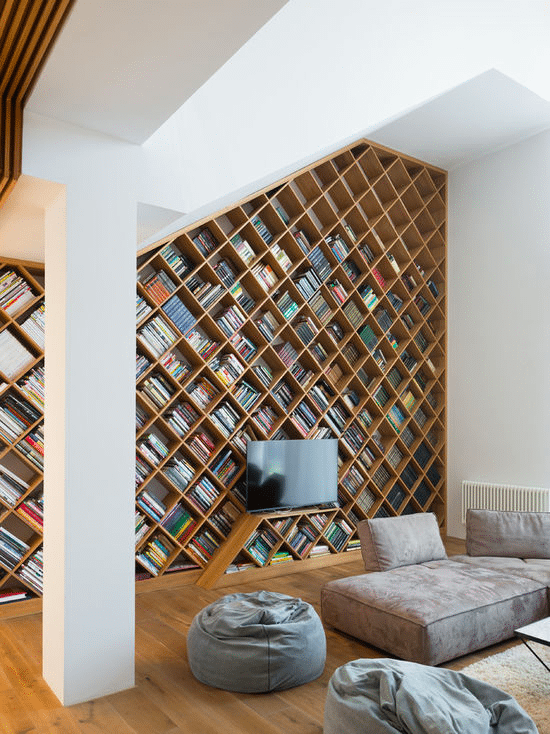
point(284, 475)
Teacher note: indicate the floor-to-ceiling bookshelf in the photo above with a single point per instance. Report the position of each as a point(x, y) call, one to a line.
point(312, 309)
point(21, 433)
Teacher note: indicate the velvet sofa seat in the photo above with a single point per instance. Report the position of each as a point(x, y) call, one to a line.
point(432, 612)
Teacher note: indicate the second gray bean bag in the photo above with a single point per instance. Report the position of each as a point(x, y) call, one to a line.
point(257, 642)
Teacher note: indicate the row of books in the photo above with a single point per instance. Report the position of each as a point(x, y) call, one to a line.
point(32, 447)
point(307, 282)
point(203, 494)
point(267, 324)
point(179, 314)
point(15, 292)
point(12, 487)
point(242, 297)
point(204, 545)
point(32, 386)
point(230, 320)
point(175, 365)
point(225, 467)
point(205, 292)
point(202, 445)
point(265, 275)
point(204, 345)
point(225, 270)
point(159, 286)
point(286, 305)
point(153, 448)
point(179, 523)
point(205, 241)
point(151, 504)
point(14, 356)
point(157, 336)
point(243, 249)
point(32, 571)
point(244, 346)
point(157, 389)
point(12, 548)
point(180, 264)
point(16, 415)
point(32, 511)
point(224, 517)
point(321, 308)
point(338, 246)
point(141, 417)
point(179, 471)
point(227, 368)
point(155, 554)
point(181, 417)
point(225, 418)
point(35, 325)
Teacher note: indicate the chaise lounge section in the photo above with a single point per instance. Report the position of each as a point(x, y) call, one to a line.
point(420, 605)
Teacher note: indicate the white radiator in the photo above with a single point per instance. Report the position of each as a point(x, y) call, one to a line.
point(487, 496)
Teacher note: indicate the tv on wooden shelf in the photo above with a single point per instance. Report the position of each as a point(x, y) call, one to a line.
point(282, 475)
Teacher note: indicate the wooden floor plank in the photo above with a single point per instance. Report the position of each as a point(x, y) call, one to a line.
point(167, 698)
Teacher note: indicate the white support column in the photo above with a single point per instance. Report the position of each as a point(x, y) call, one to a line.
point(90, 439)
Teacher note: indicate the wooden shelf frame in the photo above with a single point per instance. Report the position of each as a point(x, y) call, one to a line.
point(363, 195)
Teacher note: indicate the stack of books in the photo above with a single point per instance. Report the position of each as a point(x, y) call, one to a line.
point(16, 415)
point(243, 249)
point(32, 571)
point(178, 314)
point(14, 357)
point(157, 336)
point(179, 523)
point(12, 487)
point(155, 554)
point(203, 494)
point(32, 386)
point(12, 548)
point(180, 264)
point(205, 241)
point(181, 417)
point(35, 324)
point(32, 446)
point(15, 292)
point(159, 286)
point(179, 472)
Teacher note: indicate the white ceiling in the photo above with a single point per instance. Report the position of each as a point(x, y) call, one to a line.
point(476, 118)
point(122, 67)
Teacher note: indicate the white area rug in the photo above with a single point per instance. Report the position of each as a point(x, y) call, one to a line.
point(519, 673)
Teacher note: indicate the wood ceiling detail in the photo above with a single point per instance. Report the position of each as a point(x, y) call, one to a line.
point(28, 29)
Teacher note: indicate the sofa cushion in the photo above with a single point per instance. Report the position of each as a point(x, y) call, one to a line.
point(433, 612)
point(510, 534)
point(389, 542)
point(537, 569)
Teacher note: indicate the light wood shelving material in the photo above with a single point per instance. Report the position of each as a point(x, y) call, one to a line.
point(21, 422)
point(358, 352)
point(381, 389)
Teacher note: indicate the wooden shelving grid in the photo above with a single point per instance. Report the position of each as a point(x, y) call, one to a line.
point(21, 434)
point(312, 309)
point(315, 308)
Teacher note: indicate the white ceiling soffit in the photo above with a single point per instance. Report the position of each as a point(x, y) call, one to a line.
point(122, 67)
point(485, 114)
point(152, 219)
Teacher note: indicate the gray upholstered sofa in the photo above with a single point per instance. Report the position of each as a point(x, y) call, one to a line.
point(420, 605)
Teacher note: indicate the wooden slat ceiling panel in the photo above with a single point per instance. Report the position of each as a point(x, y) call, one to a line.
point(28, 29)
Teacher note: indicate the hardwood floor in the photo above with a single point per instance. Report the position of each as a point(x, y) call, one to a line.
point(167, 699)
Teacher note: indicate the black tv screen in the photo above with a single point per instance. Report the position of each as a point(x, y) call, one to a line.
point(288, 474)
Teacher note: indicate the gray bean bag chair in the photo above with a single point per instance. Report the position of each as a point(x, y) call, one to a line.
point(388, 696)
point(258, 642)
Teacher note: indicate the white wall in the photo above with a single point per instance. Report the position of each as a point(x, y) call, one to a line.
point(323, 73)
point(498, 338)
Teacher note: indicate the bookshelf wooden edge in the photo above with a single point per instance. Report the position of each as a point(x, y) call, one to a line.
point(285, 179)
point(283, 569)
point(230, 548)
